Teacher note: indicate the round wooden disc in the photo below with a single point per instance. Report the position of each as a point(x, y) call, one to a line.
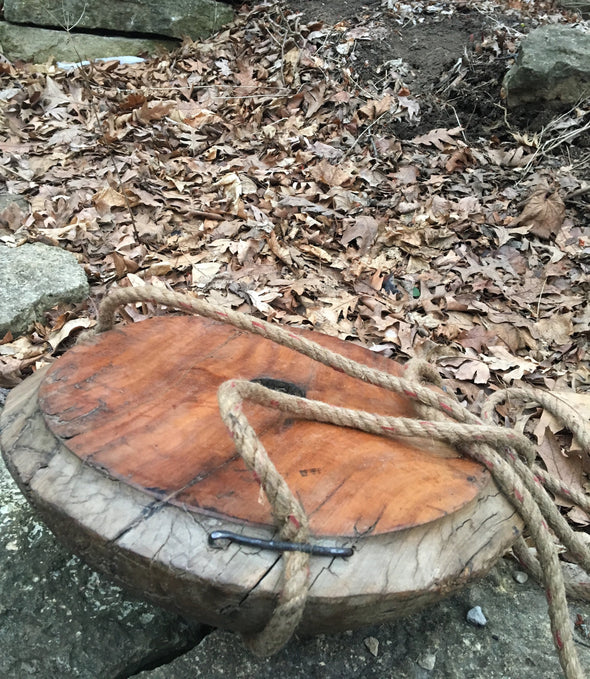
point(121, 449)
point(140, 404)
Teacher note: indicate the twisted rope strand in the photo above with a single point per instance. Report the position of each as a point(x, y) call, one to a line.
point(288, 513)
point(492, 446)
point(553, 404)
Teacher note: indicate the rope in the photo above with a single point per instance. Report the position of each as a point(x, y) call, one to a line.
point(508, 455)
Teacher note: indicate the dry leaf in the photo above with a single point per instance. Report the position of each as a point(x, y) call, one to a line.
point(510, 158)
point(543, 213)
point(555, 330)
point(106, 199)
point(332, 175)
point(68, 328)
point(376, 107)
point(580, 405)
point(407, 174)
point(459, 160)
point(567, 468)
point(503, 360)
point(440, 137)
point(10, 371)
point(316, 251)
point(364, 229)
point(153, 111)
point(204, 272)
point(473, 371)
point(53, 95)
point(279, 250)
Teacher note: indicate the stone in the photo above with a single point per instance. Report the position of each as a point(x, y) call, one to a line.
point(516, 643)
point(33, 278)
point(372, 645)
point(553, 65)
point(40, 44)
point(427, 661)
point(8, 199)
point(476, 617)
point(173, 18)
point(61, 619)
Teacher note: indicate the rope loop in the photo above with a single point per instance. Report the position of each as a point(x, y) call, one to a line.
point(508, 455)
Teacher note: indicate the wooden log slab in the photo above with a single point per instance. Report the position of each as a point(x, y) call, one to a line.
point(120, 447)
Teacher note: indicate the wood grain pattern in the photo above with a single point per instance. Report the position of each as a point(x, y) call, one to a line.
point(159, 551)
point(140, 404)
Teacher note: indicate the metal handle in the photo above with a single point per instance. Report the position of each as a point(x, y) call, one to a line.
point(278, 545)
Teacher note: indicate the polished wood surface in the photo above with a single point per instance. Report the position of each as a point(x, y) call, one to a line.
point(139, 404)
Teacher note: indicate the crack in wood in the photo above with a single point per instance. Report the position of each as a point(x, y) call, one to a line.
point(259, 581)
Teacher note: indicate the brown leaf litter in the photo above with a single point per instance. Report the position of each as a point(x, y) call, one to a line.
point(283, 168)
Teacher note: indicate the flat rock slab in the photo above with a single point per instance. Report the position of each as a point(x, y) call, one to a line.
point(435, 644)
point(33, 278)
point(61, 619)
point(553, 65)
point(173, 18)
point(40, 44)
point(8, 199)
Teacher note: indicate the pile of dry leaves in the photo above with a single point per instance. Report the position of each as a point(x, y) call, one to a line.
point(262, 169)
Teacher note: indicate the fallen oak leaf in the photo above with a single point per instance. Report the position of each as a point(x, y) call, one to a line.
point(132, 101)
point(121, 265)
point(473, 371)
point(510, 158)
point(314, 98)
point(543, 214)
point(307, 206)
point(376, 107)
point(580, 517)
point(203, 273)
point(107, 198)
point(555, 330)
point(232, 188)
point(342, 305)
point(566, 468)
point(439, 137)
point(407, 174)
point(332, 175)
point(501, 360)
point(364, 229)
point(53, 96)
point(315, 251)
point(259, 299)
point(157, 111)
point(280, 251)
point(68, 328)
point(459, 160)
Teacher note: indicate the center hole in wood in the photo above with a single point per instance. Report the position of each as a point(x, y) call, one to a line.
point(283, 386)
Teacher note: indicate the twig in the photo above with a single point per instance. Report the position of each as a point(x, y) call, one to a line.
point(552, 144)
point(363, 133)
point(540, 296)
point(578, 192)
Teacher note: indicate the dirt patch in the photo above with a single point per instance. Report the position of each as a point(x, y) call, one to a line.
point(451, 59)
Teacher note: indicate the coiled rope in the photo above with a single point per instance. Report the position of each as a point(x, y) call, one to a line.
point(508, 455)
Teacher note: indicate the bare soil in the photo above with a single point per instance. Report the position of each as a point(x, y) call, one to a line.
point(456, 61)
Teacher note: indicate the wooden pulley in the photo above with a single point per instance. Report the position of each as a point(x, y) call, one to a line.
point(121, 448)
